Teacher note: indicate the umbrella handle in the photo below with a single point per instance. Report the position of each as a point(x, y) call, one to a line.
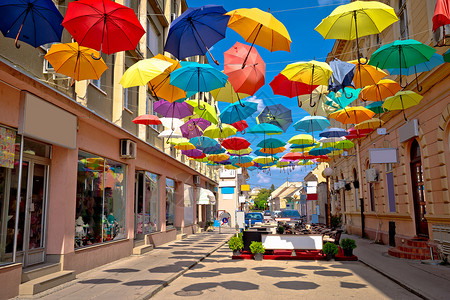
point(311, 101)
point(345, 94)
point(18, 34)
point(204, 106)
point(242, 104)
point(97, 58)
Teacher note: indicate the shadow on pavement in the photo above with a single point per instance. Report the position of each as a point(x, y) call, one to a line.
point(166, 269)
point(230, 270)
point(351, 285)
point(333, 273)
point(201, 286)
point(277, 273)
point(201, 274)
point(310, 268)
point(185, 263)
point(121, 270)
point(100, 281)
point(143, 282)
point(297, 285)
point(185, 257)
point(239, 285)
point(268, 268)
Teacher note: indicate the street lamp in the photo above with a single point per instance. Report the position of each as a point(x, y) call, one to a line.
point(327, 173)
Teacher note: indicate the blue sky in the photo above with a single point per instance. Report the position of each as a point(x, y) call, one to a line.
point(300, 19)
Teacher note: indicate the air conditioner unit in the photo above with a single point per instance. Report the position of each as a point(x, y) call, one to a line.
point(196, 180)
point(128, 149)
point(336, 186)
point(341, 184)
point(371, 175)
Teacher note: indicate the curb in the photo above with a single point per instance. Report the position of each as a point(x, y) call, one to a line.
point(177, 275)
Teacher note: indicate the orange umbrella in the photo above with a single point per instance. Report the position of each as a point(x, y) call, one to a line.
point(352, 115)
point(245, 68)
point(272, 150)
point(160, 85)
point(218, 157)
point(382, 89)
point(366, 74)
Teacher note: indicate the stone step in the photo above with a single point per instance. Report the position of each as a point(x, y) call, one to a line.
point(40, 270)
point(181, 236)
point(416, 250)
point(417, 242)
point(407, 255)
point(138, 243)
point(46, 282)
point(142, 249)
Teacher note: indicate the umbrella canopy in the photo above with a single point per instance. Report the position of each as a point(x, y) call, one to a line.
point(265, 128)
point(241, 159)
point(426, 66)
point(447, 56)
point(171, 122)
point(352, 115)
point(143, 71)
point(169, 133)
point(401, 101)
point(240, 152)
point(271, 143)
point(260, 28)
point(277, 115)
point(245, 68)
point(311, 72)
point(147, 120)
point(301, 139)
point(357, 19)
point(194, 127)
point(173, 110)
point(227, 94)
point(203, 142)
point(198, 78)
point(382, 89)
point(265, 159)
point(236, 112)
point(240, 125)
point(75, 61)
point(35, 22)
point(366, 74)
point(320, 151)
point(376, 107)
point(293, 156)
point(207, 112)
point(235, 143)
point(370, 124)
point(441, 15)
point(176, 141)
point(184, 146)
point(272, 151)
point(282, 86)
point(216, 132)
point(344, 145)
point(103, 25)
point(160, 85)
point(319, 98)
point(311, 123)
point(218, 157)
point(196, 30)
point(194, 153)
point(342, 99)
point(216, 149)
point(333, 133)
point(342, 76)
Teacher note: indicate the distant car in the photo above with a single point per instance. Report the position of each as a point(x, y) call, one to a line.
point(267, 215)
point(291, 216)
point(252, 218)
point(276, 214)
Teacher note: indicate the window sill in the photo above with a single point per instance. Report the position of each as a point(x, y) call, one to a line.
point(98, 89)
point(128, 110)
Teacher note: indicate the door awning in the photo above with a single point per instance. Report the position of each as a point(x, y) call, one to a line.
point(206, 197)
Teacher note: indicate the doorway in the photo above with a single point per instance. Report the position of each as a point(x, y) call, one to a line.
point(146, 205)
point(418, 188)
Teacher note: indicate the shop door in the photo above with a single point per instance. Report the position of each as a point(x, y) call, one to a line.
point(418, 191)
point(34, 212)
point(139, 206)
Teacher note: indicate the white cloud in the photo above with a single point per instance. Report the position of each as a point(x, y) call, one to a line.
point(263, 178)
point(259, 101)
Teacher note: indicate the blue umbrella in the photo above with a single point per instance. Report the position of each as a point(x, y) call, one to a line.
point(198, 78)
point(343, 101)
point(259, 153)
point(236, 112)
point(197, 30)
point(241, 159)
point(277, 115)
point(311, 123)
point(35, 22)
point(302, 146)
point(201, 142)
point(265, 128)
point(217, 149)
point(333, 132)
point(342, 76)
point(320, 151)
point(271, 143)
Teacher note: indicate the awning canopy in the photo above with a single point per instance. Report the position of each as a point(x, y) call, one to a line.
point(206, 197)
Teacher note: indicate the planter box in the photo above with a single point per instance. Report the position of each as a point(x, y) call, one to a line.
point(291, 242)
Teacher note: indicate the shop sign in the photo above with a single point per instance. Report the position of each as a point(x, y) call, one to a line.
point(7, 147)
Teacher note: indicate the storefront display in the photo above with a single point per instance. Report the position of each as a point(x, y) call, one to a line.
point(170, 203)
point(147, 204)
point(100, 207)
point(188, 205)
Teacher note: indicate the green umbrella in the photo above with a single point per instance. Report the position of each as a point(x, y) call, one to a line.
point(207, 112)
point(447, 56)
point(401, 54)
point(376, 107)
point(271, 143)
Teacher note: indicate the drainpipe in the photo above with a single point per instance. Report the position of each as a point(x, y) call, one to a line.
point(360, 190)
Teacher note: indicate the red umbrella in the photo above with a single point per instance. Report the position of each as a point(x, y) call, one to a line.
point(293, 156)
point(103, 25)
point(285, 87)
point(235, 143)
point(147, 120)
point(246, 78)
point(240, 125)
point(441, 15)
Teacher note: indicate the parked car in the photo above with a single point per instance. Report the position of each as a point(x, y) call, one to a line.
point(267, 215)
point(253, 217)
point(291, 216)
point(276, 214)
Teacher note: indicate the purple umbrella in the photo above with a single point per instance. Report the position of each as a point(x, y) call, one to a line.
point(173, 110)
point(192, 152)
point(194, 127)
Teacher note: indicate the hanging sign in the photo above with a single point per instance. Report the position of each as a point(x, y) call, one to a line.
point(7, 147)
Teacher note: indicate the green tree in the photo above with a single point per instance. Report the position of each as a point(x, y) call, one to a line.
point(261, 199)
point(272, 188)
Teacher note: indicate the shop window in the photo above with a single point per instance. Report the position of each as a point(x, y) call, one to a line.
point(188, 205)
point(403, 20)
point(101, 201)
point(147, 203)
point(170, 203)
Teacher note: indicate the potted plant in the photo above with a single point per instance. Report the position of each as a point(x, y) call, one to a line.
point(348, 245)
point(257, 249)
point(236, 244)
point(330, 250)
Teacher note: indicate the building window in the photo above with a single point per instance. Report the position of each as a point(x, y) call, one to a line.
point(188, 205)
point(356, 191)
point(170, 203)
point(403, 19)
point(147, 203)
point(126, 98)
point(371, 191)
point(101, 201)
point(390, 187)
point(153, 37)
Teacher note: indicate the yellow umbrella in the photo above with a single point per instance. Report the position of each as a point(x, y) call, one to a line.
point(366, 74)
point(215, 132)
point(272, 150)
point(357, 19)
point(311, 72)
point(264, 160)
point(231, 167)
point(143, 71)
point(160, 85)
point(352, 115)
point(176, 141)
point(207, 112)
point(302, 139)
point(75, 61)
point(302, 149)
point(305, 162)
point(320, 99)
point(184, 146)
point(241, 152)
point(335, 153)
point(260, 28)
point(370, 124)
point(218, 157)
point(382, 89)
point(402, 101)
point(227, 94)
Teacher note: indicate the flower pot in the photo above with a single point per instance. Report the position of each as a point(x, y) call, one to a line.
point(258, 256)
point(348, 252)
point(236, 252)
point(329, 256)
